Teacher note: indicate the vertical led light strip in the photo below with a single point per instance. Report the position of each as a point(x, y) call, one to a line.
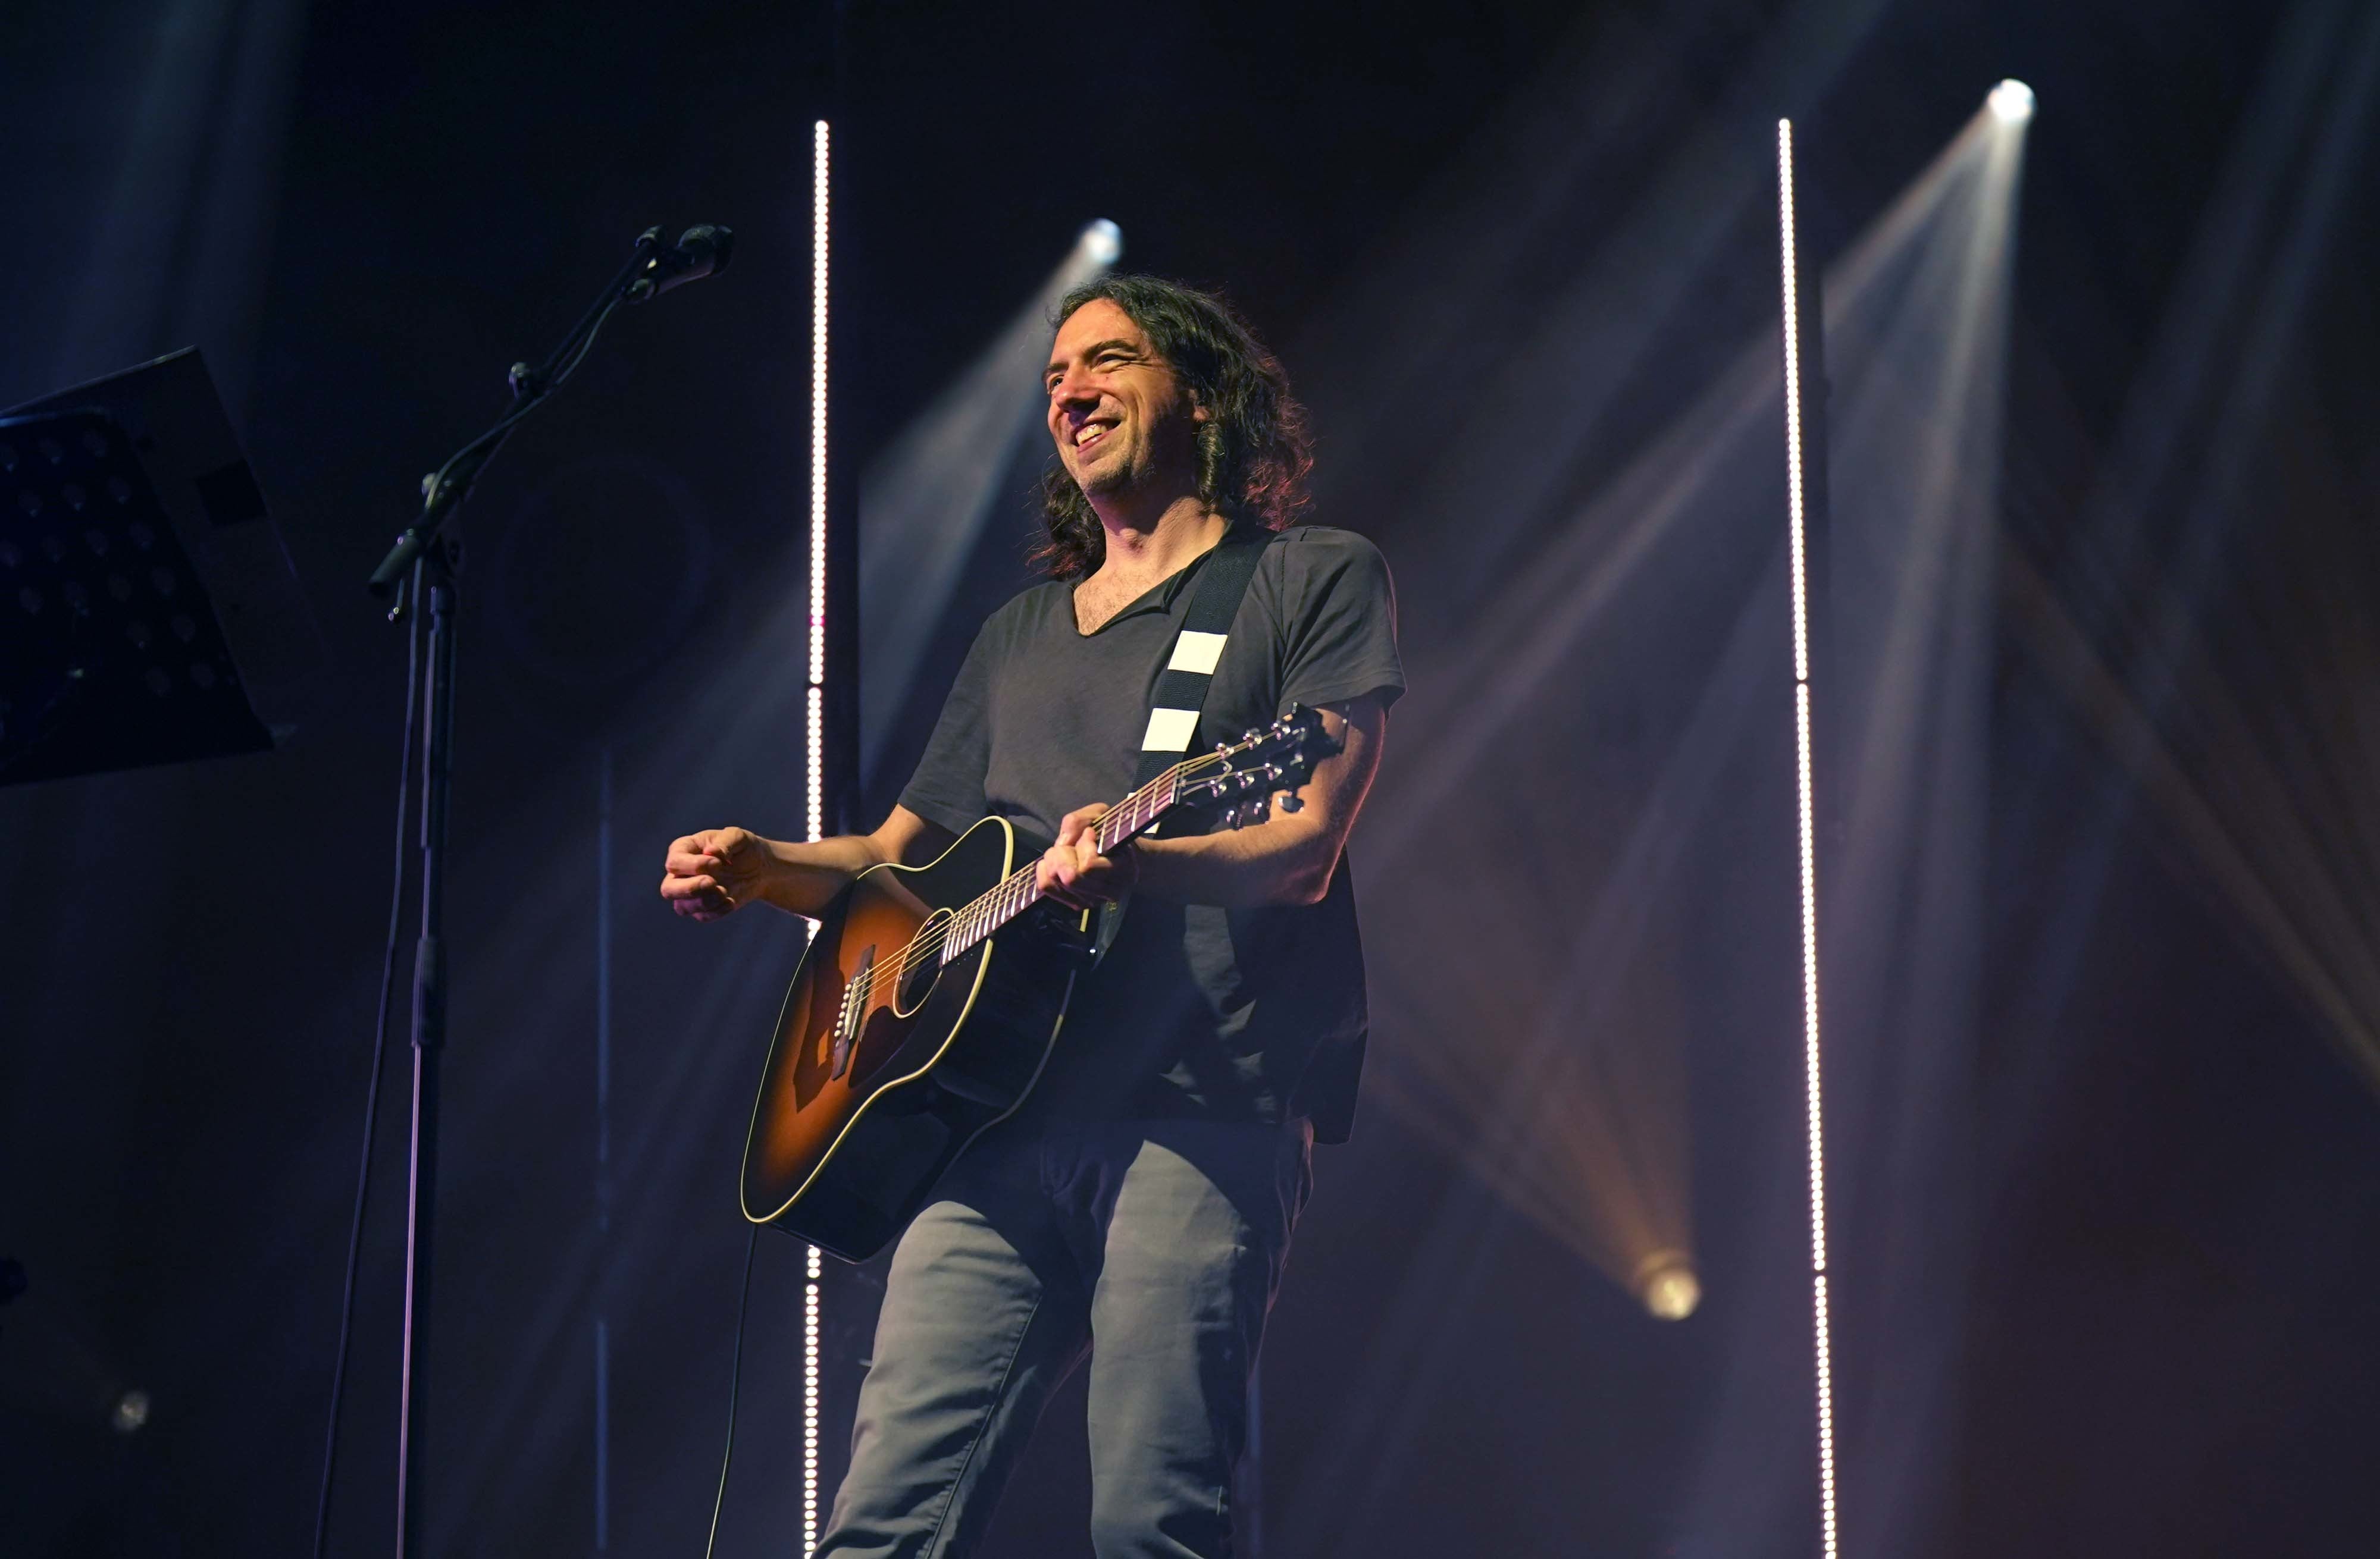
point(817, 481)
point(817, 743)
point(1796, 512)
point(811, 1407)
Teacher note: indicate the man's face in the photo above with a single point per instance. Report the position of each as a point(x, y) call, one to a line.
point(1119, 417)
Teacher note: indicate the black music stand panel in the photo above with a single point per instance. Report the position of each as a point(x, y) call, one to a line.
point(148, 611)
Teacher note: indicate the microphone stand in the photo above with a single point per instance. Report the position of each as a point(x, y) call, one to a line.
point(431, 561)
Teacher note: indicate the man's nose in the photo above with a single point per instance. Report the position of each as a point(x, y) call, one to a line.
point(1073, 389)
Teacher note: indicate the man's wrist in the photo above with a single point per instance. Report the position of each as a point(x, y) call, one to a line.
point(777, 872)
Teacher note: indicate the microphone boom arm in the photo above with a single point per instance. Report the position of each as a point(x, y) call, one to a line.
point(651, 270)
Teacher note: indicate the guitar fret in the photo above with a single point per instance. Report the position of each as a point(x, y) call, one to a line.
point(977, 924)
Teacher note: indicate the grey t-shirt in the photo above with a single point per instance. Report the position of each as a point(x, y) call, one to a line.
point(1229, 1014)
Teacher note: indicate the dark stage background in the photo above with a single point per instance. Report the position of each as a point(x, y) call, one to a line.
point(2107, 1157)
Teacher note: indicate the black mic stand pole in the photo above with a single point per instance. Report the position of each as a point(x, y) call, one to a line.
point(432, 561)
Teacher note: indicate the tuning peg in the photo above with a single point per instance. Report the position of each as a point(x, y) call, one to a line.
point(1290, 803)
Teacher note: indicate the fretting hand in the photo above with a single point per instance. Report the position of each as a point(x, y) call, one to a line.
point(1072, 871)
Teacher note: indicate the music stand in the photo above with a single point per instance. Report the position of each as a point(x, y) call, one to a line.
point(148, 611)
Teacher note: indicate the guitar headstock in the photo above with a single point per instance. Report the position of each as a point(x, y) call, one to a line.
point(1244, 775)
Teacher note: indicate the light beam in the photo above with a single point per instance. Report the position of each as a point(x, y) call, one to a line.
point(925, 500)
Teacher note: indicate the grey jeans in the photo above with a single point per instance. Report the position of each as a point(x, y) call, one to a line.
point(1152, 1248)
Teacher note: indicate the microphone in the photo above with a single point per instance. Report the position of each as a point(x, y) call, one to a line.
point(699, 252)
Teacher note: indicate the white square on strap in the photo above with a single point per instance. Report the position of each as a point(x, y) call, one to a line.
point(1196, 652)
point(1169, 730)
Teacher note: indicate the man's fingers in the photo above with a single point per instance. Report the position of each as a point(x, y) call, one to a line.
point(1059, 875)
point(1072, 827)
point(695, 870)
point(1054, 877)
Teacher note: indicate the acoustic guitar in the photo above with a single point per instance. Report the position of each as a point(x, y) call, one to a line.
point(930, 997)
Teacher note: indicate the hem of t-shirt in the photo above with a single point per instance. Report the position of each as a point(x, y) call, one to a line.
point(1388, 687)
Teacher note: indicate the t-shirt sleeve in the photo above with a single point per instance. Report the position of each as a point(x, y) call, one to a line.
point(947, 787)
point(1341, 627)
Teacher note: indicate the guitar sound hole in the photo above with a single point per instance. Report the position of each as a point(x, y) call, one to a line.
point(915, 983)
point(921, 963)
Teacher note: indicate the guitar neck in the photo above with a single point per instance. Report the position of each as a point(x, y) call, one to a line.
point(1129, 818)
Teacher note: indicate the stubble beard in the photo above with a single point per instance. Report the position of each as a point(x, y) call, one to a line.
point(1113, 479)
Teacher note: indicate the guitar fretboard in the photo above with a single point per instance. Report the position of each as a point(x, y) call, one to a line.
point(1131, 816)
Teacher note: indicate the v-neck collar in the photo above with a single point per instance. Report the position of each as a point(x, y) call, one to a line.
point(1158, 597)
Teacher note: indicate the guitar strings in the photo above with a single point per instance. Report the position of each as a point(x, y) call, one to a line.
point(927, 944)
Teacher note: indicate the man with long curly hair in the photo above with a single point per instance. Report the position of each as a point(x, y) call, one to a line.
point(1136, 1210)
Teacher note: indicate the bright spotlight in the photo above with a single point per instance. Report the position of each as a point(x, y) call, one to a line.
point(132, 1412)
point(2011, 102)
point(1667, 1286)
point(1103, 241)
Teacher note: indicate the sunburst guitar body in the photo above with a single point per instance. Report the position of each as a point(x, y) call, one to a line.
point(930, 1000)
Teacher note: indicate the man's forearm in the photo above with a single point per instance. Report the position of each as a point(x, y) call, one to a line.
point(1289, 857)
point(1285, 860)
point(809, 875)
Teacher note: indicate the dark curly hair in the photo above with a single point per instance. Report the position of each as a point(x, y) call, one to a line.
point(1254, 450)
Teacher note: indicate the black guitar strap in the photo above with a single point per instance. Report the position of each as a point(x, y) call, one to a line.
point(1181, 693)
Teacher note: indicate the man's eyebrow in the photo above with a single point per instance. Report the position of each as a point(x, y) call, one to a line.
point(1093, 350)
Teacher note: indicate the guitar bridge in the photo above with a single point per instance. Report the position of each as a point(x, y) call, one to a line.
point(847, 1017)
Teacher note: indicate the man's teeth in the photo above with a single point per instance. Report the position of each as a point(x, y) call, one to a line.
point(1088, 432)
